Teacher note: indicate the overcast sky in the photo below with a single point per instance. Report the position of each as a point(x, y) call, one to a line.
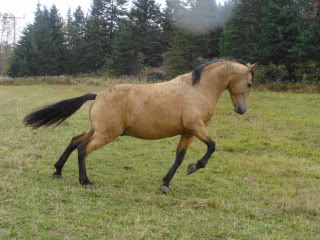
point(25, 9)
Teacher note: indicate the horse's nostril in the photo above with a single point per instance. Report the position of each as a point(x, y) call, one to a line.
point(240, 108)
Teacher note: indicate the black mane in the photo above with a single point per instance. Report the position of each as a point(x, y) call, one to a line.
point(196, 73)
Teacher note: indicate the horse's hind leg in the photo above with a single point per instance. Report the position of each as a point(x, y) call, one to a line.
point(183, 145)
point(73, 145)
point(84, 149)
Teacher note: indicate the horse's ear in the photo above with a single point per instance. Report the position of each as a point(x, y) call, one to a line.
point(252, 67)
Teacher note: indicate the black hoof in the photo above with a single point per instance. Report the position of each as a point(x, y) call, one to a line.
point(164, 189)
point(89, 186)
point(191, 168)
point(56, 175)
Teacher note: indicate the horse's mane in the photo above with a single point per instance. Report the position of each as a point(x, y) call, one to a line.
point(196, 73)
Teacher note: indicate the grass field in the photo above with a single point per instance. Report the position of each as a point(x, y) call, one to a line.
point(263, 182)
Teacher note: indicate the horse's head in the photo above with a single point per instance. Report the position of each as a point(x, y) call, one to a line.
point(240, 87)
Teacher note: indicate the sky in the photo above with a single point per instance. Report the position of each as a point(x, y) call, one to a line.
point(24, 9)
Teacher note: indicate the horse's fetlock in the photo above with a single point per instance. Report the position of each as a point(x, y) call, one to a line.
point(200, 165)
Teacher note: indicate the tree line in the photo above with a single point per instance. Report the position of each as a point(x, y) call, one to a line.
point(282, 35)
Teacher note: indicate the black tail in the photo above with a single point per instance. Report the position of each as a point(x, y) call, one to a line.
point(55, 114)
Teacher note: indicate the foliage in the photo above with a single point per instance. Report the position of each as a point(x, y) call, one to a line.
point(146, 19)
point(284, 33)
point(197, 36)
point(260, 74)
point(271, 73)
point(41, 49)
point(185, 49)
point(242, 30)
point(279, 32)
point(125, 59)
point(308, 72)
point(75, 32)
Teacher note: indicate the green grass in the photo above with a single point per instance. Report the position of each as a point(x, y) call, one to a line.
point(263, 182)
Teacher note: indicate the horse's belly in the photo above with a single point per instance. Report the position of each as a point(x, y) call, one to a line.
point(153, 131)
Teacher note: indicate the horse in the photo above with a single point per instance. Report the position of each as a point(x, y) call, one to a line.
point(182, 106)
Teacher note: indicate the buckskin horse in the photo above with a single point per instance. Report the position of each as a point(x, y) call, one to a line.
point(182, 106)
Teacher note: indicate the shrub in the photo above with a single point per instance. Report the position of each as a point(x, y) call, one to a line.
point(308, 72)
point(270, 73)
point(260, 74)
point(276, 73)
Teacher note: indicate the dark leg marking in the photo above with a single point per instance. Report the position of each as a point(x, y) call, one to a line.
point(203, 161)
point(83, 177)
point(65, 155)
point(167, 179)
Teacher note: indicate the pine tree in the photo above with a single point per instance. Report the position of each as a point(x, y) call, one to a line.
point(100, 27)
point(95, 38)
point(279, 32)
point(199, 16)
point(168, 20)
point(41, 43)
point(76, 45)
point(125, 57)
point(58, 48)
point(19, 65)
point(184, 52)
point(242, 30)
point(306, 53)
point(42, 49)
point(309, 42)
point(146, 18)
point(115, 11)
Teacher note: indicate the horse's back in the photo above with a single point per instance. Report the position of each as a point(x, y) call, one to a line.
point(150, 111)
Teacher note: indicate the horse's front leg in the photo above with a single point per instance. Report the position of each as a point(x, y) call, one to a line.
point(183, 145)
point(202, 134)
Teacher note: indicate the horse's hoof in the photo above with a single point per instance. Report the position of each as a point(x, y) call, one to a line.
point(56, 175)
point(89, 186)
point(164, 189)
point(191, 168)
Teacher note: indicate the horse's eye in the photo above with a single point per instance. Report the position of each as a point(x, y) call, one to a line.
point(249, 85)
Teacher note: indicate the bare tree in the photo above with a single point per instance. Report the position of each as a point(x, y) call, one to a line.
point(7, 39)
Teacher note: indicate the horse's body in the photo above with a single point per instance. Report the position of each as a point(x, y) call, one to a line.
point(147, 111)
point(182, 106)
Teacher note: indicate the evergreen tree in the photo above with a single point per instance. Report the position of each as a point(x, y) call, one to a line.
point(199, 16)
point(41, 50)
point(185, 51)
point(308, 43)
point(23, 55)
point(58, 48)
point(76, 44)
point(100, 26)
point(279, 32)
point(168, 21)
point(146, 18)
point(125, 57)
point(115, 11)
point(306, 53)
point(41, 43)
point(95, 38)
point(242, 31)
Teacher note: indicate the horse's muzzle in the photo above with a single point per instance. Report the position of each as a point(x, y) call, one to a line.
point(240, 108)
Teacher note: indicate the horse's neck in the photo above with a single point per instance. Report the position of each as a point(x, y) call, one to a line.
point(214, 80)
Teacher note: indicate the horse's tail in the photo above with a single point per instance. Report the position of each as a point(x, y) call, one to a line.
point(55, 114)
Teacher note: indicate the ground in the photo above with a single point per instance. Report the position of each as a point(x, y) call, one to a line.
point(262, 182)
